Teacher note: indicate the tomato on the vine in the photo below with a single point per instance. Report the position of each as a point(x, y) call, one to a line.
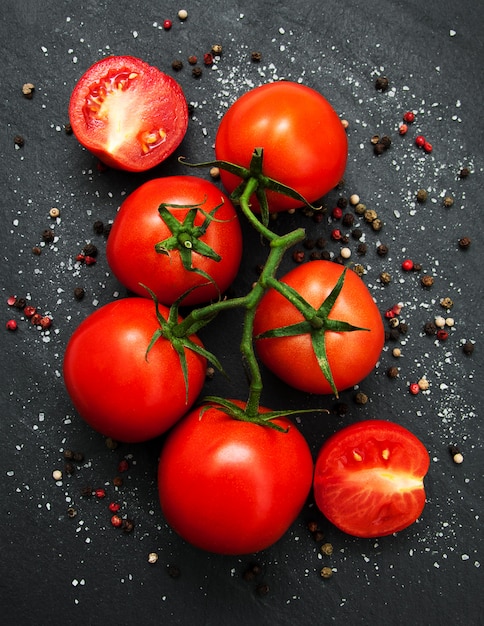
point(368, 478)
point(193, 240)
point(231, 486)
point(303, 140)
point(128, 113)
point(297, 355)
point(121, 385)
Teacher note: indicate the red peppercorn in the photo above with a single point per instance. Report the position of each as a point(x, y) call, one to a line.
point(11, 300)
point(36, 319)
point(420, 141)
point(123, 465)
point(29, 311)
point(100, 493)
point(427, 147)
point(337, 213)
point(442, 334)
point(414, 389)
point(208, 58)
point(114, 507)
point(167, 24)
point(89, 260)
point(402, 129)
point(80, 258)
point(116, 521)
point(46, 322)
point(390, 314)
point(11, 325)
point(336, 234)
point(409, 117)
point(407, 265)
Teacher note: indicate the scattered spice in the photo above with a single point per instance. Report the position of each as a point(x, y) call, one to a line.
point(468, 348)
point(255, 56)
point(456, 454)
point(382, 83)
point(464, 242)
point(18, 140)
point(28, 90)
point(152, 557)
point(326, 572)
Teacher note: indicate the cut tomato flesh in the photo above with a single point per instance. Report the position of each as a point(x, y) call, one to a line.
point(128, 113)
point(369, 478)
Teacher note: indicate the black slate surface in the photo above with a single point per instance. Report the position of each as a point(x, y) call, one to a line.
point(57, 570)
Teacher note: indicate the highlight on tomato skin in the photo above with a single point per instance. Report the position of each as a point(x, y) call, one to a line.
point(369, 478)
point(102, 106)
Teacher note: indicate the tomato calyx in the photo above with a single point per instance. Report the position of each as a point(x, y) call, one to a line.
point(186, 236)
point(316, 323)
point(237, 412)
point(253, 179)
point(170, 329)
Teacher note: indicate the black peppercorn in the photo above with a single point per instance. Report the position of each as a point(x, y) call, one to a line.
point(342, 202)
point(379, 149)
point(392, 372)
point(18, 140)
point(348, 219)
point(197, 71)
point(90, 250)
point(256, 56)
point(382, 250)
point(362, 248)
point(464, 242)
point(79, 293)
point(464, 173)
point(48, 235)
point(298, 256)
point(468, 348)
point(381, 83)
point(98, 227)
point(173, 571)
point(430, 328)
point(177, 65)
point(357, 233)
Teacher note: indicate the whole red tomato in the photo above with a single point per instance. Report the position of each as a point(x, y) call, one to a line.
point(229, 486)
point(121, 390)
point(304, 142)
point(351, 354)
point(368, 479)
point(139, 227)
point(129, 114)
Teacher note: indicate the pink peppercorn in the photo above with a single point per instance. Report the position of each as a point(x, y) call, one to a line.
point(336, 234)
point(167, 24)
point(11, 300)
point(208, 58)
point(114, 507)
point(427, 147)
point(414, 389)
point(89, 260)
point(11, 325)
point(402, 129)
point(420, 141)
point(442, 334)
point(123, 465)
point(390, 314)
point(337, 213)
point(116, 521)
point(409, 117)
point(29, 311)
point(407, 265)
point(100, 493)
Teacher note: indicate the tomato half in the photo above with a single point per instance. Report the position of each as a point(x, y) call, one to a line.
point(351, 355)
point(129, 114)
point(118, 389)
point(304, 142)
point(229, 486)
point(138, 227)
point(368, 478)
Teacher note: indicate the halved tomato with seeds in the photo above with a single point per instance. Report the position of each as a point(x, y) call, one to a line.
point(129, 114)
point(368, 478)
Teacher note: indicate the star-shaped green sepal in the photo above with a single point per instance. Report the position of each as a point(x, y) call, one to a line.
point(316, 323)
point(186, 236)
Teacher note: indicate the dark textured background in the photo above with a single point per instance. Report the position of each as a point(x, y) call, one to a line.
point(58, 570)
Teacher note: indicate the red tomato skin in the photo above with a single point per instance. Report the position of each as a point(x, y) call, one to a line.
point(351, 355)
point(304, 142)
point(138, 227)
point(156, 98)
point(371, 504)
point(114, 388)
point(232, 487)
